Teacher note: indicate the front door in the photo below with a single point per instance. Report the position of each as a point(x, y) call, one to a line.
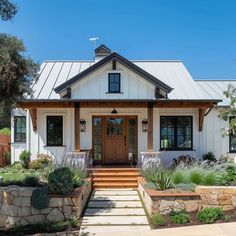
point(114, 139)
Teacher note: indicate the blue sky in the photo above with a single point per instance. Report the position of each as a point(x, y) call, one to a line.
point(201, 33)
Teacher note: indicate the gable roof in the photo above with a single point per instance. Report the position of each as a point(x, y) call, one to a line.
point(115, 56)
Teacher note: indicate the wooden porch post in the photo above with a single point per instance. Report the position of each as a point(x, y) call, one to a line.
point(77, 126)
point(150, 126)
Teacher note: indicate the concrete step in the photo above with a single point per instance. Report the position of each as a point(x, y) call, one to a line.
point(114, 204)
point(93, 230)
point(114, 220)
point(114, 212)
point(115, 198)
point(114, 192)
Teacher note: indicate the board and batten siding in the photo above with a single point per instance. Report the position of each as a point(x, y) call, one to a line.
point(95, 86)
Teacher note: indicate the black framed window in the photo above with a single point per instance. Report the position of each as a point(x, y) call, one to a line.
point(20, 129)
point(176, 132)
point(114, 82)
point(54, 130)
point(232, 138)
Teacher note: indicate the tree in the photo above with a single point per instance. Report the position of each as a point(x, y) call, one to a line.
point(229, 113)
point(17, 73)
point(7, 10)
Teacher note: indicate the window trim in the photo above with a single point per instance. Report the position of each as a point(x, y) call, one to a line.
point(230, 136)
point(175, 134)
point(16, 132)
point(109, 89)
point(54, 145)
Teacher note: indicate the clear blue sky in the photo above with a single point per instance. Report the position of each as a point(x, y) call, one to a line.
point(201, 33)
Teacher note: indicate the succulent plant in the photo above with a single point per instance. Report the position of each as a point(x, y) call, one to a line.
point(40, 198)
point(60, 181)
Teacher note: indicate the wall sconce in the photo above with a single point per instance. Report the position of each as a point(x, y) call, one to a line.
point(144, 125)
point(82, 125)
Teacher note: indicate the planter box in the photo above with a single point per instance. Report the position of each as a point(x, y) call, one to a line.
point(15, 206)
point(163, 202)
point(217, 196)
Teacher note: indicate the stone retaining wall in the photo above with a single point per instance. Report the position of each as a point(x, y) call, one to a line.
point(164, 202)
point(15, 206)
point(217, 196)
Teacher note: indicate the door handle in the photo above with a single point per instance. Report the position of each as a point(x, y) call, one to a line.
point(125, 140)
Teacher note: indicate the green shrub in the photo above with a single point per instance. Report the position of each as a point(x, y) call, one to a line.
point(209, 156)
point(157, 220)
point(5, 131)
point(40, 198)
point(196, 176)
point(31, 181)
point(78, 177)
point(74, 221)
point(25, 159)
point(60, 181)
point(40, 163)
point(179, 217)
point(179, 177)
point(210, 179)
point(210, 215)
point(7, 157)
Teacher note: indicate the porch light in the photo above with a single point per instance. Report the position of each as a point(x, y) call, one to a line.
point(114, 111)
point(144, 125)
point(82, 125)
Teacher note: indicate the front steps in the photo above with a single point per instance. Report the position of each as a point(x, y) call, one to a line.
point(103, 178)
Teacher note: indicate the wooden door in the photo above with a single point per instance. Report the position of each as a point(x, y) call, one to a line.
point(115, 140)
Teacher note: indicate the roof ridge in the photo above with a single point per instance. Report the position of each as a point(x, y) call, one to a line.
point(215, 80)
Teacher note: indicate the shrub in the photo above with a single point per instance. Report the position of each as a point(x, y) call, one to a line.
point(179, 177)
point(31, 181)
point(60, 181)
point(40, 163)
point(160, 178)
point(40, 198)
point(25, 159)
point(210, 215)
point(7, 157)
point(209, 156)
point(210, 179)
point(179, 217)
point(74, 221)
point(158, 220)
point(78, 177)
point(5, 131)
point(196, 176)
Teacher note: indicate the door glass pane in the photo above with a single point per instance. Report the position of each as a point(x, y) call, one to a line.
point(115, 126)
point(97, 138)
point(132, 136)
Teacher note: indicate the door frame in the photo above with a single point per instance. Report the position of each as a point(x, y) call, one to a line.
point(126, 117)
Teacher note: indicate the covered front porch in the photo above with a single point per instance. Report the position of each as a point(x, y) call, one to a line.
point(116, 131)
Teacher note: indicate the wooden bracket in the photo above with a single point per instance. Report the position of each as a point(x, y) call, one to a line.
point(33, 114)
point(201, 115)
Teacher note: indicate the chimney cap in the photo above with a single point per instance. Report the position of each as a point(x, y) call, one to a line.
point(102, 51)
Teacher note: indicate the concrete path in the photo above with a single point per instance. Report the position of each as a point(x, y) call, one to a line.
point(114, 210)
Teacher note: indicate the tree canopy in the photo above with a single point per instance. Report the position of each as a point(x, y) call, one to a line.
point(7, 10)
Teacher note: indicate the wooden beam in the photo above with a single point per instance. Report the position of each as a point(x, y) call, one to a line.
point(77, 126)
point(33, 115)
point(150, 127)
point(201, 114)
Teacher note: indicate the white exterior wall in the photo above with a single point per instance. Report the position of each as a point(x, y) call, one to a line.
point(95, 86)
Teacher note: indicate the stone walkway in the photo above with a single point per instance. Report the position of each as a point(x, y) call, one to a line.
point(113, 210)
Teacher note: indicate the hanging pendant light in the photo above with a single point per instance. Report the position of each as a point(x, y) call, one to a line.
point(114, 111)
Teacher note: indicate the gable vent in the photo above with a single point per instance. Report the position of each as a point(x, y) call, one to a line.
point(101, 52)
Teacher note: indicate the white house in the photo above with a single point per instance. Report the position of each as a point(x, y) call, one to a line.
point(118, 108)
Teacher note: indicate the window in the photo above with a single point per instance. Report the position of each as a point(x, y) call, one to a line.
point(232, 139)
point(176, 133)
point(54, 130)
point(20, 129)
point(114, 82)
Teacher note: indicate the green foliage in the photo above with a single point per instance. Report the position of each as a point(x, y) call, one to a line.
point(157, 220)
point(74, 221)
point(210, 215)
point(78, 177)
point(210, 179)
point(226, 218)
point(179, 177)
point(186, 186)
point(40, 198)
point(40, 163)
point(5, 131)
point(160, 178)
point(31, 181)
point(25, 159)
point(209, 156)
point(60, 181)
point(7, 157)
point(179, 217)
point(7, 10)
point(195, 176)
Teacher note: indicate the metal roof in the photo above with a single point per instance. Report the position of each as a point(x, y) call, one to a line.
point(212, 89)
point(172, 73)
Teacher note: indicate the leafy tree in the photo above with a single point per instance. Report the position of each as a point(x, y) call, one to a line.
point(17, 73)
point(7, 10)
point(229, 113)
